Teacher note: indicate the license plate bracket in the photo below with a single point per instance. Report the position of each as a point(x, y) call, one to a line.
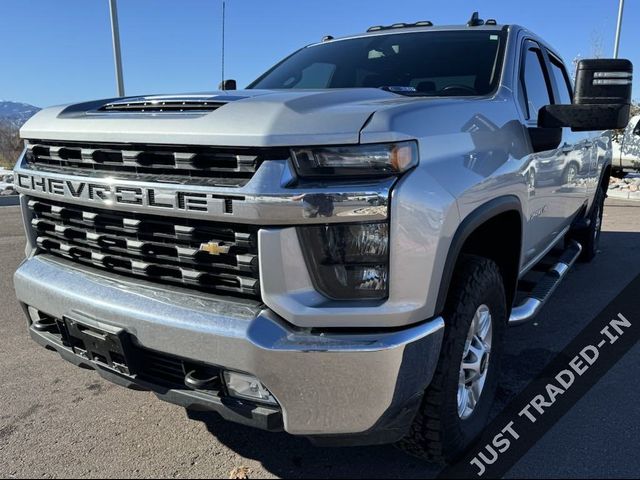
point(106, 346)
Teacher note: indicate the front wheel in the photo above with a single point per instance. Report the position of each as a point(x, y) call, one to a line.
point(456, 404)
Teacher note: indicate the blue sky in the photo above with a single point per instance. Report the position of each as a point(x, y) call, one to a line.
point(59, 51)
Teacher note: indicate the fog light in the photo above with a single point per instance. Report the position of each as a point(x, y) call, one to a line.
point(240, 385)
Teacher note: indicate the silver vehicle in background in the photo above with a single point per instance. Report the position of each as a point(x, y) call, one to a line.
point(335, 251)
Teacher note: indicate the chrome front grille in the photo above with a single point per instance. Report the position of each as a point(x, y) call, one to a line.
point(208, 256)
point(230, 167)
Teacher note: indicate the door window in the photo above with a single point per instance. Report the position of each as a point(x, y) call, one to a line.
point(562, 81)
point(535, 84)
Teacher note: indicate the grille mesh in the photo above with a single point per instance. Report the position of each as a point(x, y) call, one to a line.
point(165, 250)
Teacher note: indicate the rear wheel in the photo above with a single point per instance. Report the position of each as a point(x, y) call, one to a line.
point(589, 237)
point(456, 404)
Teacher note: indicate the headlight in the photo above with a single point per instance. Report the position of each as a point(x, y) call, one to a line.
point(379, 159)
point(348, 262)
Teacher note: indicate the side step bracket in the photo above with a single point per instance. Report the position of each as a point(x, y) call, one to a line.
point(531, 305)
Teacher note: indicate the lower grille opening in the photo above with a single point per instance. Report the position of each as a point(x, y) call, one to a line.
point(148, 365)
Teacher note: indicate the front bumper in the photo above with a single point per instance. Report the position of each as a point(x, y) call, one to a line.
point(364, 384)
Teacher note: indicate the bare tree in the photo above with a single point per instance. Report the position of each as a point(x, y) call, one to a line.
point(597, 49)
point(10, 144)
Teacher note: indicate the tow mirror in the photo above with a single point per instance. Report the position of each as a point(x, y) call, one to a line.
point(227, 85)
point(602, 98)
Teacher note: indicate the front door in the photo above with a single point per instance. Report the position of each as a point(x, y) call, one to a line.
point(545, 212)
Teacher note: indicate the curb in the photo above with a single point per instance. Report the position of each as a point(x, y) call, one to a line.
point(623, 194)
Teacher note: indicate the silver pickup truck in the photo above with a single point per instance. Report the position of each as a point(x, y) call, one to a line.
point(335, 251)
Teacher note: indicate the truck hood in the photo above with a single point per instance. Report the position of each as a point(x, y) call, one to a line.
point(239, 118)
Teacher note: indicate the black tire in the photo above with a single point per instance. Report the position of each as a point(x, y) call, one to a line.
point(438, 433)
point(589, 237)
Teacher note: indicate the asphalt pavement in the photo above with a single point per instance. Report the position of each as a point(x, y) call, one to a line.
point(57, 420)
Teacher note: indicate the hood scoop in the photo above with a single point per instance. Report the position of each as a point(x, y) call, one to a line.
point(169, 104)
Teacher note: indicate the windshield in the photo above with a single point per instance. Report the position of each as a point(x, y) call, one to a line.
point(439, 63)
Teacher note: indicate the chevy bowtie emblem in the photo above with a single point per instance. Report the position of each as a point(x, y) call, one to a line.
point(214, 248)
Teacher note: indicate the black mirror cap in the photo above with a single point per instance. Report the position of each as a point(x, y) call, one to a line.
point(603, 81)
point(584, 118)
point(602, 98)
point(227, 85)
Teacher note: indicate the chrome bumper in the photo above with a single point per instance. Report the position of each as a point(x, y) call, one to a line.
point(326, 384)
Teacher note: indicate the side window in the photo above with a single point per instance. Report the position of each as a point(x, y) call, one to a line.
point(562, 81)
point(535, 86)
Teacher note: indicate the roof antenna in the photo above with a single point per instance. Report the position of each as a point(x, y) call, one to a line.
point(475, 20)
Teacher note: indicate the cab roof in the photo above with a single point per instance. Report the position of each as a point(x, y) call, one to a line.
point(474, 23)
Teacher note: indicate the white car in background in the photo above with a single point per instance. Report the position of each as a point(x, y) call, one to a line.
point(626, 150)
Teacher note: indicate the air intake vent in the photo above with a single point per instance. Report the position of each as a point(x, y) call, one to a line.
point(163, 106)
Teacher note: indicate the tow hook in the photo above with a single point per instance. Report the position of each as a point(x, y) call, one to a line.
point(202, 380)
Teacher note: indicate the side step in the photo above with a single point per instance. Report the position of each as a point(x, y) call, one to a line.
point(543, 289)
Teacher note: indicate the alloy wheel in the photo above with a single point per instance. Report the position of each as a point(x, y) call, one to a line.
point(475, 362)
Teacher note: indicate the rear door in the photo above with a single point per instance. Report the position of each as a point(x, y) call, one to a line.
point(579, 167)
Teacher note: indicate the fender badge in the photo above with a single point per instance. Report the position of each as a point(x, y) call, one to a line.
point(214, 248)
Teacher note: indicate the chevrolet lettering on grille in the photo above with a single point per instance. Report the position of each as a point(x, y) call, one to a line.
point(111, 193)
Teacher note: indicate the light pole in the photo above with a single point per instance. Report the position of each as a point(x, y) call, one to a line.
point(115, 37)
point(223, 20)
point(618, 29)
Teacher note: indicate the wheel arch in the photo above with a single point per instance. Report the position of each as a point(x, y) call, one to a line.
point(473, 235)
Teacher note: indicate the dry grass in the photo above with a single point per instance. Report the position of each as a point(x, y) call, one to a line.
point(6, 163)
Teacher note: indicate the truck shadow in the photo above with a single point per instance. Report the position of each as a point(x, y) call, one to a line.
point(292, 457)
point(572, 307)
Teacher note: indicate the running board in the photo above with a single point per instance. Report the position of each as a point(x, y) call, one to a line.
point(530, 307)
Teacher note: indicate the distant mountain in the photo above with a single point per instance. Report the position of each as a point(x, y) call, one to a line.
point(15, 112)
